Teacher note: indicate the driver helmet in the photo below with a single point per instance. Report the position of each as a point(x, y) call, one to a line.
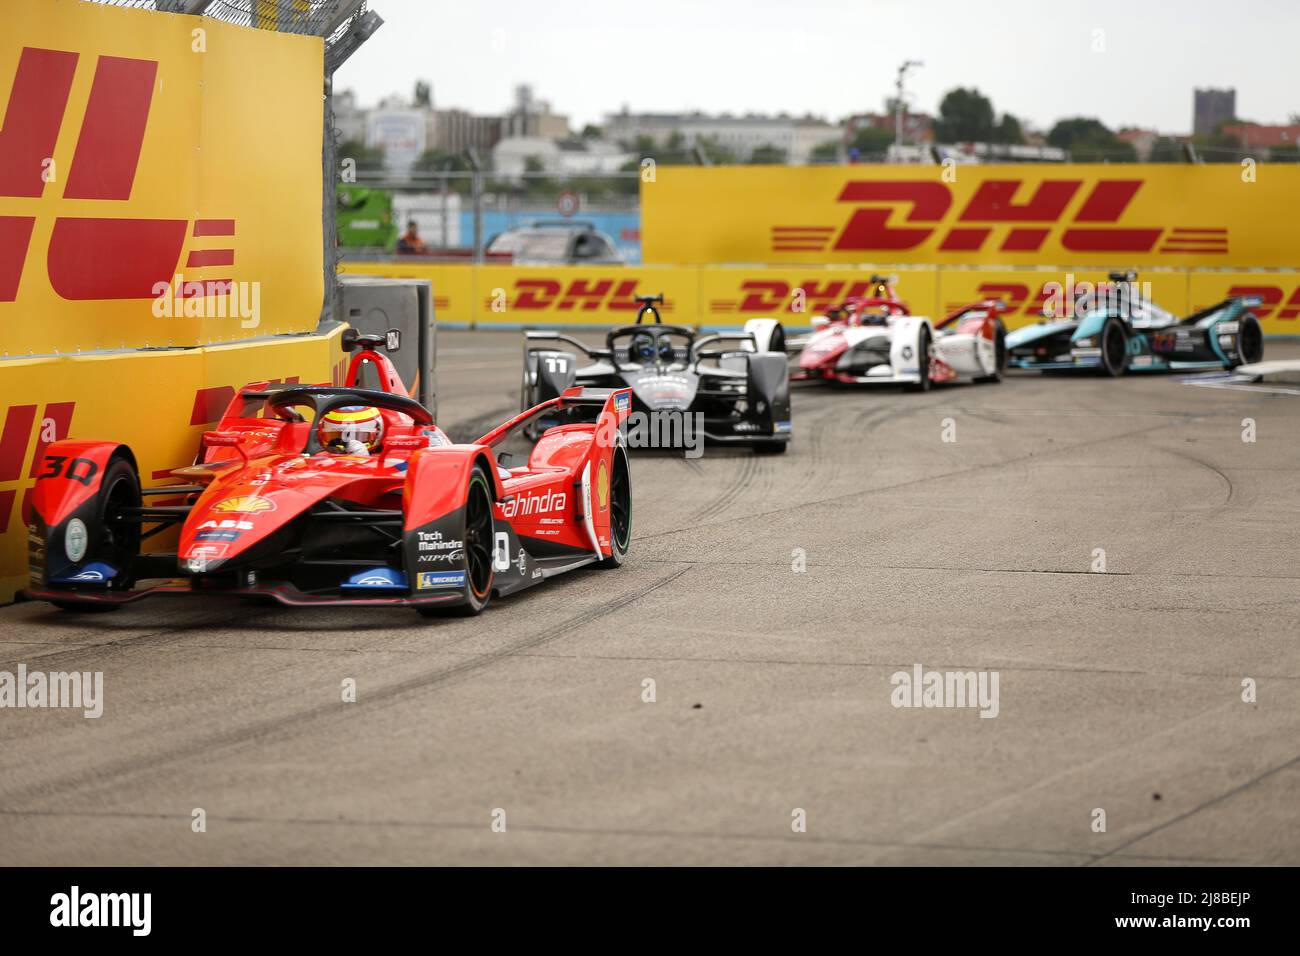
point(352, 430)
point(642, 348)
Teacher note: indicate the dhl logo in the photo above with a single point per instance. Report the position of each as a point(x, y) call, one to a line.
point(21, 426)
point(583, 295)
point(768, 296)
point(1271, 300)
point(85, 258)
point(1025, 222)
point(1025, 300)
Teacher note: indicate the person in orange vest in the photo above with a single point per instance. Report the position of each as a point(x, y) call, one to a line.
point(410, 241)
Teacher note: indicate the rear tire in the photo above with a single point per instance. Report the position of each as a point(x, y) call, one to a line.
point(1114, 348)
point(777, 342)
point(620, 510)
point(999, 357)
point(1250, 341)
point(923, 362)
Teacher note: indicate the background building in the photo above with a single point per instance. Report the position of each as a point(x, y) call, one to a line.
point(1210, 108)
point(795, 137)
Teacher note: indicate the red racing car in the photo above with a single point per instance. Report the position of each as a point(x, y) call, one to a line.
point(340, 495)
point(876, 339)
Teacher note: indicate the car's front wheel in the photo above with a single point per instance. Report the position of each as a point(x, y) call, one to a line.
point(1114, 348)
point(477, 533)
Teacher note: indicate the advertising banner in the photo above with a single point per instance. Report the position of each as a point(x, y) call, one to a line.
point(1112, 216)
point(160, 180)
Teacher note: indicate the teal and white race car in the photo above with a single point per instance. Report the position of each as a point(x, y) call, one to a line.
point(1115, 329)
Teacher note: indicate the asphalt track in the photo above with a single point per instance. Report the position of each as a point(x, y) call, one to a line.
point(1118, 690)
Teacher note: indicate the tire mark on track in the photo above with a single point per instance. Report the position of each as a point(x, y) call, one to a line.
point(1205, 805)
point(956, 472)
point(733, 489)
point(284, 727)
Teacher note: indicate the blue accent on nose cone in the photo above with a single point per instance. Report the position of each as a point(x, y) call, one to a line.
point(96, 572)
point(376, 579)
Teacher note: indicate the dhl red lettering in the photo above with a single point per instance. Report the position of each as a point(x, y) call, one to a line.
point(1270, 297)
point(624, 297)
point(536, 293)
point(590, 295)
point(868, 229)
point(763, 295)
point(993, 201)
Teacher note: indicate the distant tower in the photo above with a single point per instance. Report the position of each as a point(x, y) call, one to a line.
point(1210, 108)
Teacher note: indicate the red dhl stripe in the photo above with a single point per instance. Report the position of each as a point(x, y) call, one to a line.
point(199, 258)
point(214, 227)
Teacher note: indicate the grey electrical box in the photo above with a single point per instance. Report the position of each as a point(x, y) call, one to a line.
point(372, 304)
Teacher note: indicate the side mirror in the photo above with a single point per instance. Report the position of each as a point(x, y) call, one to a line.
point(820, 321)
point(226, 440)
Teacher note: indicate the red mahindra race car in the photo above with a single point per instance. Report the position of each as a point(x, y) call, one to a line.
point(321, 494)
point(875, 339)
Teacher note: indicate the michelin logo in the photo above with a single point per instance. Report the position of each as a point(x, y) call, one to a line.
point(440, 579)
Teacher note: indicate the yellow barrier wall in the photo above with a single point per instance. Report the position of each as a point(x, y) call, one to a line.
point(140, 146)
point(159, 403)
point(1148, 215)
point(708, 296)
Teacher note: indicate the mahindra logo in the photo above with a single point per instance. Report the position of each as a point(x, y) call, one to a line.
point(91, 257)
point(531, 504)
point(925, 207)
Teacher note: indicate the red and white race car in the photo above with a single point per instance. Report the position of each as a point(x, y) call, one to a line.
point(337, 494)
point(876, 339)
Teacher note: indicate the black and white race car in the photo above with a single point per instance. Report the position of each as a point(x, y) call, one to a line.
point(732, 386)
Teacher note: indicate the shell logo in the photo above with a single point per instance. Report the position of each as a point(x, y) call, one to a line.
point(244, 505)
point(602, 486)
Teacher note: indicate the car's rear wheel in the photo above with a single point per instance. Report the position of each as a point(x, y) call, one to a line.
point(777, 342)
point(923, 361)
point(478, 534)
point(620, 509)
point(1114, 348)
point(1250, 341)
point(999, 356)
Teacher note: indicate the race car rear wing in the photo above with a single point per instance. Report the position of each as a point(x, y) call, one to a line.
point(589, 351)
point(698, 350)
point(617, 401)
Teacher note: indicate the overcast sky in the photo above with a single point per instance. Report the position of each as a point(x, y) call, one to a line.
point(1034, 58)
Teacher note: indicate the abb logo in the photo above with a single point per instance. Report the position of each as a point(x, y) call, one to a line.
point(926, 206)
point(583, 295)
point(766, 296)
point(90, 257)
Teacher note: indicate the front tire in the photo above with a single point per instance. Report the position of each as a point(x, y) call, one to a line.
point(1114, 348)
point(112, 542)
point(478, 533)
point(620, 510)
